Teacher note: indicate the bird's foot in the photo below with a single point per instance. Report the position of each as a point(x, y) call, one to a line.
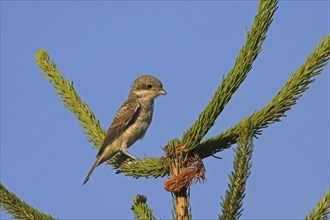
point(128, 154)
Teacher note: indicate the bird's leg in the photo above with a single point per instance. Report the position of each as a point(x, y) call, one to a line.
point(123, 149)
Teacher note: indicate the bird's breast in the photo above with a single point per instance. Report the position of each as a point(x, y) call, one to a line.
point(138, 129)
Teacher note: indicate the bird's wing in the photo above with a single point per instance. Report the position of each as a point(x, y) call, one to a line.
point(126, 114)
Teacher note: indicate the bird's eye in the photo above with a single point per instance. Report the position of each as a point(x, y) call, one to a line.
point(149, 86)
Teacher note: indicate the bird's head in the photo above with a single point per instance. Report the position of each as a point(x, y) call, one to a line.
point(147, 86)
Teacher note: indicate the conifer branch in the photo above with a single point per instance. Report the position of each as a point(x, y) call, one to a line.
point(322, 210)
point(140, 208)
point(71, 99)
point(296, 85)
point(235, 77)
point(232, 204)
point(10, 203)
point(150, 167)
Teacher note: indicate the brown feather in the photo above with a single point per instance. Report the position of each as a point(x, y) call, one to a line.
point(125, 116)
point(97, 162)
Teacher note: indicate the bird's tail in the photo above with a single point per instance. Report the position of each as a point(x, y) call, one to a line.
point(97, 162)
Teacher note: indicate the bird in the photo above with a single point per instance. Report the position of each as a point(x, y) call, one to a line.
point(131, 120)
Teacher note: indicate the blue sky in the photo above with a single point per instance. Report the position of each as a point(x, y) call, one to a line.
point(103, 46)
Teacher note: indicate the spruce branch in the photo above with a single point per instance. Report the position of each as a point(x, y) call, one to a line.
point(10, 203)
point(140, 208)
point(296, 85)
point(235, 77)
point(71, 99)
point(150, 167)
point(322, 209)
point(233, 202)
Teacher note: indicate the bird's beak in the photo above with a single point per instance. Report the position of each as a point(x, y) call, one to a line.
point(162, 92)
